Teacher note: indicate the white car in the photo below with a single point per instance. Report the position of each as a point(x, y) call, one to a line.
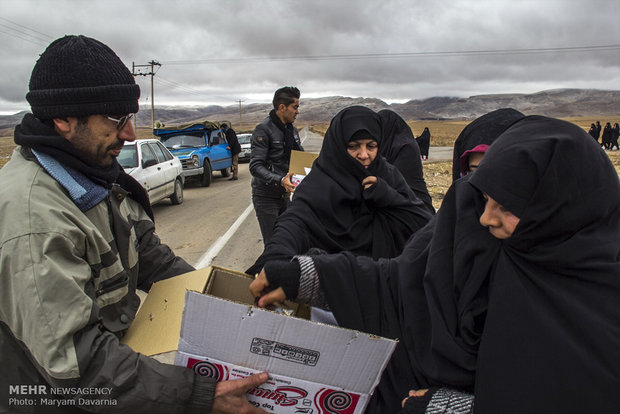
point(155, 168)
point(246, 146)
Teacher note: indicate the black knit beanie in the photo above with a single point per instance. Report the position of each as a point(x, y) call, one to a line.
point(80, 76)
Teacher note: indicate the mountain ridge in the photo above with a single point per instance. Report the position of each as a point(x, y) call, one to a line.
point(558, 103)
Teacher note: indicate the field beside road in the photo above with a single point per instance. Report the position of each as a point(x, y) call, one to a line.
point(437, 173)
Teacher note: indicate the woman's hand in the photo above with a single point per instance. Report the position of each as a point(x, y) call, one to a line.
point(415, 393)
point(368, 181)
point(260, 290)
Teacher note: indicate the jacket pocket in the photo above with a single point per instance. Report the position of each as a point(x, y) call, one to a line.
point(112, 290)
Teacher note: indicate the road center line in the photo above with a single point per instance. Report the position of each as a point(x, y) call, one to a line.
point(206, 259)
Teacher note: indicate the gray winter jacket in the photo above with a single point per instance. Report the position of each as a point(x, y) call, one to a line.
point(67, 295)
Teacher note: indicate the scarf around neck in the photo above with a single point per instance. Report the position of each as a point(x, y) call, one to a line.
point(37, 136)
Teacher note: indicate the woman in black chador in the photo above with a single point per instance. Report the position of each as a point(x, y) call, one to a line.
point(424, 142)
point(482, 130)
point(353, 201)
point(400, 149)
point(509, 294)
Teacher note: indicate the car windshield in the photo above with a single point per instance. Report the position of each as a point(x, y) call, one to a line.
point(183, 141)
point(128, 158)
point(244, 138)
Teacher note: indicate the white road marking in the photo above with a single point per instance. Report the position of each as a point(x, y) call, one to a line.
point(206, 259)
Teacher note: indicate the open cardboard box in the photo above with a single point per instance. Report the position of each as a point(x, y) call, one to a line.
point(205, 320)
point(300, 164)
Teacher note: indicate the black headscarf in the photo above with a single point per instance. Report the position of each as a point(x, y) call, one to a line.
point(332, 211)
point(482, 130)
point(530, 323)
point(34, 134)
point(400, 149)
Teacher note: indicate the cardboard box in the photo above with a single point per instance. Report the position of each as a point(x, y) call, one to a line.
point(314, 368)
point(300, 165)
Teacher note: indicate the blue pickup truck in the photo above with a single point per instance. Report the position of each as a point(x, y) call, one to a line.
point(201, 147)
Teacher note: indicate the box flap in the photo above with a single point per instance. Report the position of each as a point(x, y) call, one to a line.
point(301, 160)
point(156, 328)
point(267, 341)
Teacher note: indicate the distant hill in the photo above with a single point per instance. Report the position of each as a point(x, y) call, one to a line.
point(558, 103)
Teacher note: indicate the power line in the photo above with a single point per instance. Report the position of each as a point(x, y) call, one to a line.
point(29, 35)
point(489, 52)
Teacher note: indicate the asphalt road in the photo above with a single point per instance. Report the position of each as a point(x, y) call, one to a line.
point(217, 224)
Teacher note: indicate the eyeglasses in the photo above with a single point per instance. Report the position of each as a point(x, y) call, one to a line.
point(122, 121)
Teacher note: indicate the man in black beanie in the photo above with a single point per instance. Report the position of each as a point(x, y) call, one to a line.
point(77, 239)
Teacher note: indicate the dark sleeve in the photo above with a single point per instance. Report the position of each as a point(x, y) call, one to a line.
point(408, 162)
point(290, 237)
point(438, 401)
point(156, 260)
point(397, 210)
point(259, 159)
point(137, 383)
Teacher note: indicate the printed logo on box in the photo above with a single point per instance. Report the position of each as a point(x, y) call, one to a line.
point(279, 350)
point(209, 369)
point(269, 396)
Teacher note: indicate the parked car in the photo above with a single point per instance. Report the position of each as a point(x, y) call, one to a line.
point(201, 147)
point(246, 147)
point(155, 168)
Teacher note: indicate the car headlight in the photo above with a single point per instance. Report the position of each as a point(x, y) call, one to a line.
point(195, 161)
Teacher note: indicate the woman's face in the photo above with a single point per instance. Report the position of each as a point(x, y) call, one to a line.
point(501, 222)
point(363, 150)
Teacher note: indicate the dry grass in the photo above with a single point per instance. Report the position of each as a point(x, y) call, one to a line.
point(438, 175)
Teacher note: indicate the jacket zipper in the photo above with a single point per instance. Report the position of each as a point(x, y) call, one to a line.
point(112, 284)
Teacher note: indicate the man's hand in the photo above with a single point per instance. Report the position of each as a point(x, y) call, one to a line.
point(259, 288)
point(368, 181)
point(230, 395)
point(287, 184)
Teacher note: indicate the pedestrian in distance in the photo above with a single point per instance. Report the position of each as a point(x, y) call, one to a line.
point(424, 142)
point(593, 132)
point(507, 301)
point(235, 149)
point(615, 133)
point(607, 136)
point(272, 143)
point(77, 239)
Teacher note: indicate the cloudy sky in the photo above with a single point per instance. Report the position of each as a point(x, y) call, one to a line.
point(225, 51)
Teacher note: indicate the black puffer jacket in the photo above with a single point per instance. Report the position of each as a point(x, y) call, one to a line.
point(271, 155)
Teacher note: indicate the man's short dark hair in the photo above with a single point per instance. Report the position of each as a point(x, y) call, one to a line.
point(286, 96)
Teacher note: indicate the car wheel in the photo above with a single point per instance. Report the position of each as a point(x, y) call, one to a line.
point(177, 196)
point(225, 172)
point(205, 181)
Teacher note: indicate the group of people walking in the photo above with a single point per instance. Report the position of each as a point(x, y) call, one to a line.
point(609, 137)
point(504, 300)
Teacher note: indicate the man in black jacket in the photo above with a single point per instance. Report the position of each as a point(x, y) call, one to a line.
point(235, 149)
point(272, 142)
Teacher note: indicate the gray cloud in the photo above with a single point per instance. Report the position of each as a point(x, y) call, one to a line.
point(218, 52)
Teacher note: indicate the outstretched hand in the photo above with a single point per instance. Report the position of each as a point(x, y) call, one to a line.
point(230, 395)
point(260, 290)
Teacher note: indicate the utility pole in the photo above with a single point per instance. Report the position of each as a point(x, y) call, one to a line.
point(150, 65)
point(238, 100)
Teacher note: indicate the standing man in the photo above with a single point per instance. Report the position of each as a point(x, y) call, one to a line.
point(272, 142)
point(235, 149)
point(77, 238)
